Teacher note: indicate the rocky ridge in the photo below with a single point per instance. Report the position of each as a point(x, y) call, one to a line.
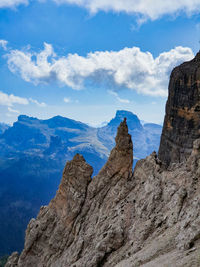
point(119, 218)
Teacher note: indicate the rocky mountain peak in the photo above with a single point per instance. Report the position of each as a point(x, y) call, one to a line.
point(72, 190)
point(181, 124)
point(76, 207)
point(123, 138)
point(121, 156)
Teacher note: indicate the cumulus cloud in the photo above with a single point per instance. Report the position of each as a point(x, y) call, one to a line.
point(10, 100)
point(3, 44)
point(12, 3)
point(146, 8)
point(129, 68)
point(121, 100)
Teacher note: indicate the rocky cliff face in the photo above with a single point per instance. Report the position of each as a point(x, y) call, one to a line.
point(181, 125)
point(147, 218)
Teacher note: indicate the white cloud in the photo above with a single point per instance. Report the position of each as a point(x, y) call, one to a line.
point(3, 43)
point(67, 100)
point(13, 110)
point(145, 8)
point(121, 100)
point(12, 3)
point(9, 100)
point(130, 68)
point(30, 70)
point(42, 104)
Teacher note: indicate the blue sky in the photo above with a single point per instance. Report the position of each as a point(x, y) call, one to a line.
point(85, 59)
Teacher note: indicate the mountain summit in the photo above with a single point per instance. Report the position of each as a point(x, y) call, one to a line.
point(132, 120)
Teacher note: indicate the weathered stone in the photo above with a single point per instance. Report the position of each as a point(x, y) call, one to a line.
point(181, 125)
point(119, 218)
point(13, 260)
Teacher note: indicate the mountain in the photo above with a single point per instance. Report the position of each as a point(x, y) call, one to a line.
point(3, 127)
point(33, 153)
point(146, 138)
point(181, 125)
point(121, 218)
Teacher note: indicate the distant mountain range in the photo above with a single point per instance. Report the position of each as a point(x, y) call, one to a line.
point(33, 154)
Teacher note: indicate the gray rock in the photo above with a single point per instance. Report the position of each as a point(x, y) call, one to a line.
point(119, 218)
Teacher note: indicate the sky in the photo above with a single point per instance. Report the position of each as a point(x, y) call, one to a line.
point(85, 59)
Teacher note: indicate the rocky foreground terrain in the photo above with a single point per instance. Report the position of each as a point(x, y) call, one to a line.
point(149, 217)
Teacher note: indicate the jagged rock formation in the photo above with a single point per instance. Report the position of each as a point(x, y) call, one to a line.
point(181, 125)
point(147, 218)
point(33, 153)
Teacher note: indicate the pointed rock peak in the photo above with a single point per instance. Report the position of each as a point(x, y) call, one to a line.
point(121, 156)
point(72, 190)
point(123, 138)
point(76, 171)
point(78, 158)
